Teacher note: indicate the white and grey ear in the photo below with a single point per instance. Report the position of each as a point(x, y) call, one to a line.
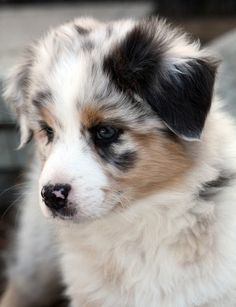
point(179, 89)
point(15, 95)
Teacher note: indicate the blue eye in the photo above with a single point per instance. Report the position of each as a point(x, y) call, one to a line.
point(105, 135)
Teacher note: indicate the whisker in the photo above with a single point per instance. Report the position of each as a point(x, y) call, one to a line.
point(16, 186)
point(9, 208)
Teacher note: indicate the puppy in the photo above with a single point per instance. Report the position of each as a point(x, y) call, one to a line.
point(134, 170)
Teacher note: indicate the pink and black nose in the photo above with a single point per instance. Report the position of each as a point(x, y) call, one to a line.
point(55, 196)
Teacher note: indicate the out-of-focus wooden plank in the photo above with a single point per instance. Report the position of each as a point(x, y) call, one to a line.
point(20, 25)
point(206, 28)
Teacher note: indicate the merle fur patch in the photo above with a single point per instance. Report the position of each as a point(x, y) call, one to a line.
point(88, 45)
point(81, 30)
point(124, 161)
point(212, 187)
point(41, 98)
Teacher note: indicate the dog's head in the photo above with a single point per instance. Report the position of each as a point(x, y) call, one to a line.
point(112, 108)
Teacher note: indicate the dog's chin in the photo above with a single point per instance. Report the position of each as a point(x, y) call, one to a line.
point(65, 214)
point(73, 213)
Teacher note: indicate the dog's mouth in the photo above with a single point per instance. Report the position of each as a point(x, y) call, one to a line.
point(66, 213)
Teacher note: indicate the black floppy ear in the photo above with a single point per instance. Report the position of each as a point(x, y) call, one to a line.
point(15, 94)
point(182, 96)
point(179, 89)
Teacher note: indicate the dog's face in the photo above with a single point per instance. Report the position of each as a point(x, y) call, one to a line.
point(112, 108)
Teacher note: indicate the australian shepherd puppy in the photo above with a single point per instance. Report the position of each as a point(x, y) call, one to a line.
point(134, 170)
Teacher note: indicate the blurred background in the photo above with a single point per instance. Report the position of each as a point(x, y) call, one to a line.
point(213, 21)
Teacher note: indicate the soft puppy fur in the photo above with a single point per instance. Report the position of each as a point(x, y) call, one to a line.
point(134, 169)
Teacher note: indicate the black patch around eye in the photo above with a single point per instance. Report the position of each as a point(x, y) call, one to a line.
point(105, 135)
point(123, 162)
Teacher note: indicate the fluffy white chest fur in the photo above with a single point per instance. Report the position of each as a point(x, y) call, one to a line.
point(154, 256)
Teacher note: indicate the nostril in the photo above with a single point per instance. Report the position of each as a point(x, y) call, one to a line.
point(55, 196)
point(46, 191)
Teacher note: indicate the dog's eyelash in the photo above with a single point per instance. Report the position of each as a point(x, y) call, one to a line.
point(48, 131)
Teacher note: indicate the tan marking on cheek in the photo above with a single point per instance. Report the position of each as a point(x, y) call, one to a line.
point(90, 116)
point(161, 162)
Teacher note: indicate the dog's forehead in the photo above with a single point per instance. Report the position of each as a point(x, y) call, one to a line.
point(68, 75)
point(69, 60)
point(117, 63)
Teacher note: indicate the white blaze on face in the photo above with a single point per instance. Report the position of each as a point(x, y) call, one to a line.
point(72, 162)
